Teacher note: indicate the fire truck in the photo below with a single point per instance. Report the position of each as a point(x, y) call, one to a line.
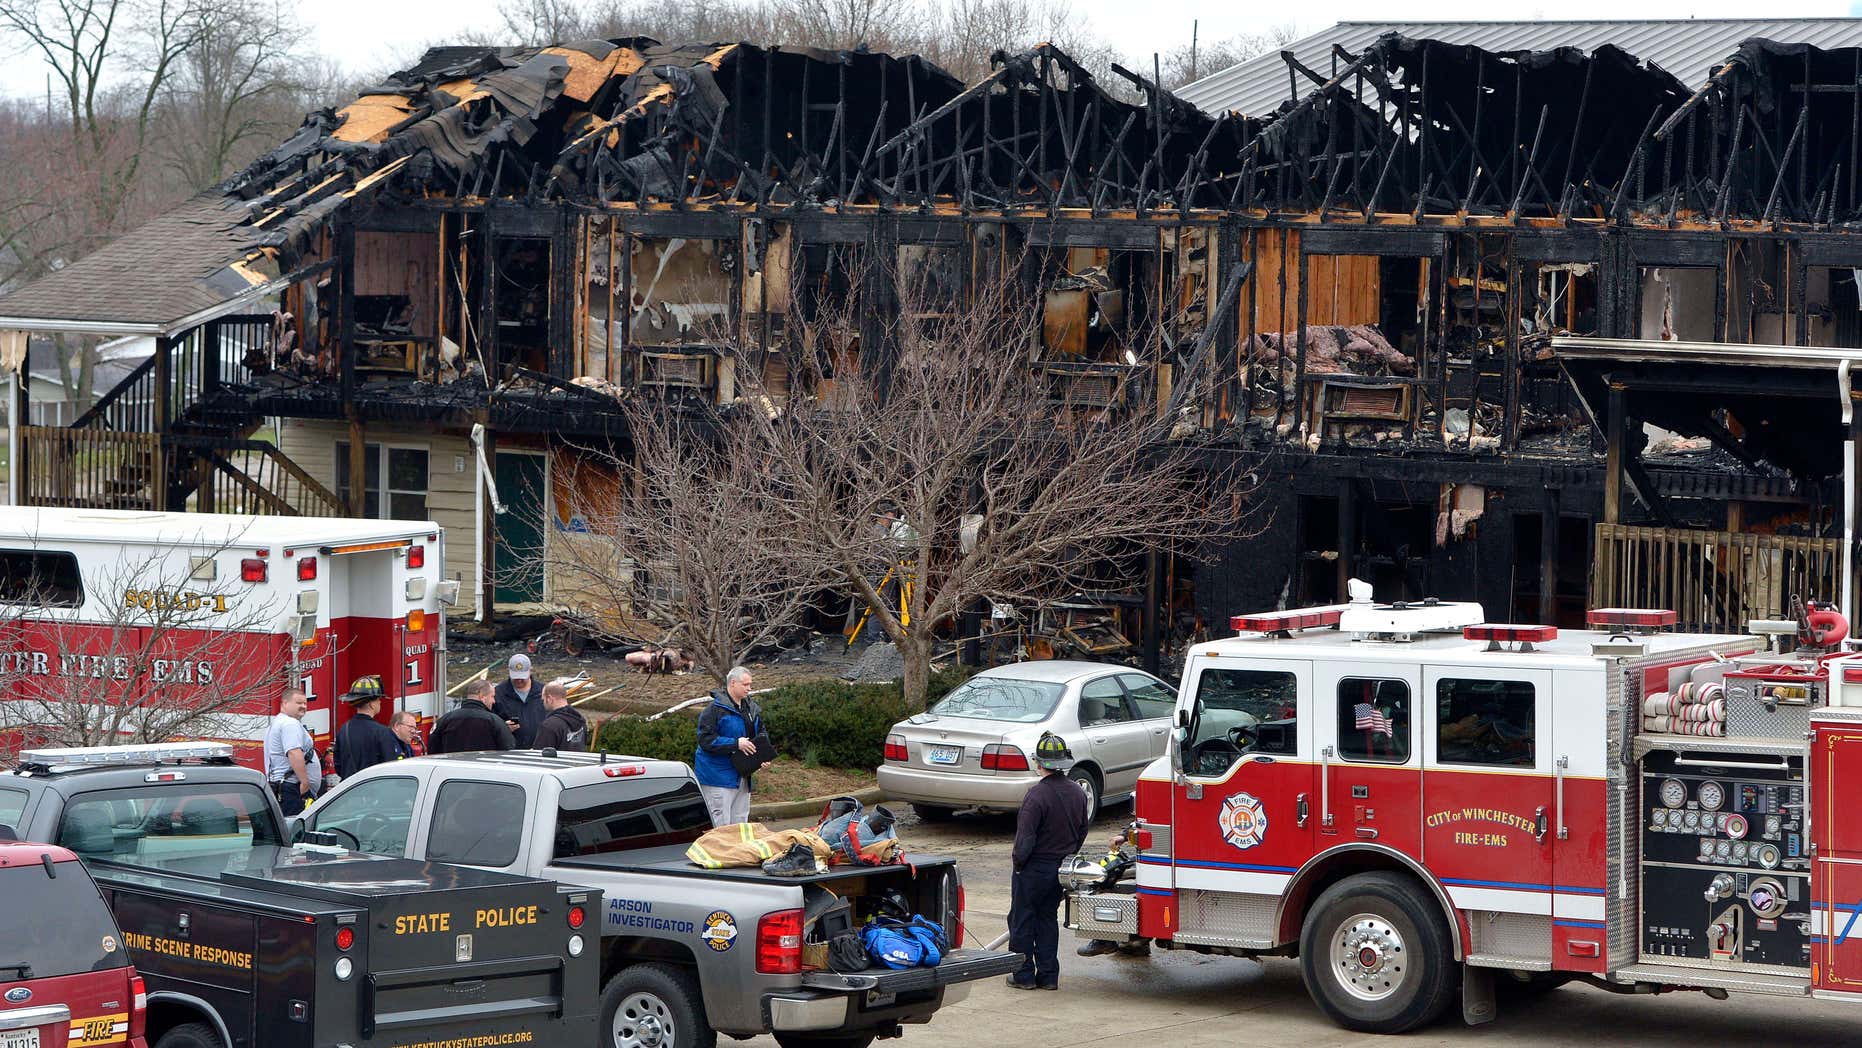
point(1417, 803)
point(138, 622)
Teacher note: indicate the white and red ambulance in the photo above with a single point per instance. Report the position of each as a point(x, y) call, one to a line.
point(203, 620)
point(1412, 801)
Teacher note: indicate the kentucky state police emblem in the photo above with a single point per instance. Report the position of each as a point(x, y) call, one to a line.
point(1243, 821)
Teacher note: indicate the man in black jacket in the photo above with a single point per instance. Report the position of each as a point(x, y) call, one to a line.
point(362, 741)
point(472, 726)
point(520, 702)
point(1051, 827)
point(563, 729)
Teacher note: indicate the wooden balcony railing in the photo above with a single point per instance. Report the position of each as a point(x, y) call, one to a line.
point(1715, 581)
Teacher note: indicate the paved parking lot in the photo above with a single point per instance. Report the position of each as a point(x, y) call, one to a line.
point(1184, 1000)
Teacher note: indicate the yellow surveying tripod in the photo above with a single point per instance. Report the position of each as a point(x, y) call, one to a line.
point(901, 573)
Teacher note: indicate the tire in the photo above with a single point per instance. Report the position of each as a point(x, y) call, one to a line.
point(653, 1006)
point(190, 1035)
point(1089, 784)
point(1376, 954)
point(933, 813)
point(816, 1040)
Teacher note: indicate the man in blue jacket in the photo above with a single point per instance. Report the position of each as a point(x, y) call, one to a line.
point(728, 726)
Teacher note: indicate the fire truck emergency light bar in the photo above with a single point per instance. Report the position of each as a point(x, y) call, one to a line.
point(145, 753)
point(1630, 618)
point(1282, 621)
point(1498, 633)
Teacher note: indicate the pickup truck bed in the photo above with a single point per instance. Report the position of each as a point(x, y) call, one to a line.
point(671, 860)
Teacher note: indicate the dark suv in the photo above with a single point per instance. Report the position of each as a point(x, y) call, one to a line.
point(65, 976)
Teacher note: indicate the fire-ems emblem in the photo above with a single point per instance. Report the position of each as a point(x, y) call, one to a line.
point(720, 930)
point(1243, 821)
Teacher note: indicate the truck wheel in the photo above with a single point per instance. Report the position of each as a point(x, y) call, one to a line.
point(1375, 954)
point(654, 1006)
point(933, 813)
point(815, 1040)
point(189, 1035)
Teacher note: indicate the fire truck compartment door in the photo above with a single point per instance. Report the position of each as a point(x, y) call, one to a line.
point(1248, 800)
point(1489, 818)
point(1366, 713)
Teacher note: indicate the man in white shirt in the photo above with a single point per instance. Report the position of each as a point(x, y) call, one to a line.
point(291, 764)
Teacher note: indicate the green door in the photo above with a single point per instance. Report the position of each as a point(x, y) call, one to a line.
point(517, 552)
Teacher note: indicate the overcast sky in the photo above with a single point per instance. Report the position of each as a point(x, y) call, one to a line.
point(372, 35)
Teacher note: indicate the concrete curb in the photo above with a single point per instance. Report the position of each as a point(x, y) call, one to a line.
point(812, 805)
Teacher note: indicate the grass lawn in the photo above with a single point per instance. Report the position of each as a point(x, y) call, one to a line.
point(791, 780)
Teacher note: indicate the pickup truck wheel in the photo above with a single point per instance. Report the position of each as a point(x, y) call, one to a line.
point(814, 1040)
point(189, 1035)
point(654, 1006)
point(1376, 956)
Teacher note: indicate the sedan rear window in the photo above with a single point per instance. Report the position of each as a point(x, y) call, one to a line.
point(1001, 699)
point(56, 925)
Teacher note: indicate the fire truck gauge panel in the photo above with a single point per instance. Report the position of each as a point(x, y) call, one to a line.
point(1735, 826)
point(1674, 793)
point(1712, 795)
point(1767, 854)
point(1772, 825)
point(1739, 851)
point(1690, 821)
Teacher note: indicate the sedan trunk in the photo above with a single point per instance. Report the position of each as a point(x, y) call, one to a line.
point(955, 744)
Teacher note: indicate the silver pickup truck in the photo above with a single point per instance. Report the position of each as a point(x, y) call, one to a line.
point(687, 953)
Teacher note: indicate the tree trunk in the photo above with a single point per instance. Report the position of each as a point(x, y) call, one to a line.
point(916, 651)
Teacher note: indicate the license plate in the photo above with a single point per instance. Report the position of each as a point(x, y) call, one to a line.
point(946, 754)
point(19, 1039)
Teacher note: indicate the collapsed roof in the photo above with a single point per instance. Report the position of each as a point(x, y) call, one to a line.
point(1406, 126)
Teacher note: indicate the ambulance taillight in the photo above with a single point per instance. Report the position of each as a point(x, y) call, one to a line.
point(253, 569)
point(307, 569)
point(416, 556)
point(416, 621)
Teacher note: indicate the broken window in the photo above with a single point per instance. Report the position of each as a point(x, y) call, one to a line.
point(1678, 305)
point(396, 303)
point(521, 301)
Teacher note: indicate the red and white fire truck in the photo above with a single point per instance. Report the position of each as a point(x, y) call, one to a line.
point(203, 620)
point(1414, 802)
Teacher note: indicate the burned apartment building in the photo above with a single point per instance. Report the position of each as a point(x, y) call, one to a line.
point(1536, 327)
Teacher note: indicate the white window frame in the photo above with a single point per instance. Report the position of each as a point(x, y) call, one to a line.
point(383, 498)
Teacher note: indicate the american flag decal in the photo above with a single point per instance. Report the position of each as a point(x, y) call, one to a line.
point(1370, 718)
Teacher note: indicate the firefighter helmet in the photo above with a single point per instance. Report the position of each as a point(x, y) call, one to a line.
point(363, 689)
point(1052, 753)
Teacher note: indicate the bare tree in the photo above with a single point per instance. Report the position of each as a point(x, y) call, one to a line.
point(685, 543)
point(950, 468)
point(1193, 61)
point(237, 88)
point(175, 657)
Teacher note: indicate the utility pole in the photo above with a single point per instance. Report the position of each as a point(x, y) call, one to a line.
point(1195, 23)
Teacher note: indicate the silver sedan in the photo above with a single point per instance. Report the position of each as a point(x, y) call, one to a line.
point(974, 748)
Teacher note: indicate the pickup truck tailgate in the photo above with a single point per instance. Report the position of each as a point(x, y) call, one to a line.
point(957, 966)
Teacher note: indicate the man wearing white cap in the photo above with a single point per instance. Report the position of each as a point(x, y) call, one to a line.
point(520, 702)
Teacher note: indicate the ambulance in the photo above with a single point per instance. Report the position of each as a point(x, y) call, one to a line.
point(1417, 803)
point(138, 626)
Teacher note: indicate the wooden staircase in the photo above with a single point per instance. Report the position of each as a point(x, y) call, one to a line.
point(147, 444)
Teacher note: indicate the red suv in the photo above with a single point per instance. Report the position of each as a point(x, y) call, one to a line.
point(65, 976)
